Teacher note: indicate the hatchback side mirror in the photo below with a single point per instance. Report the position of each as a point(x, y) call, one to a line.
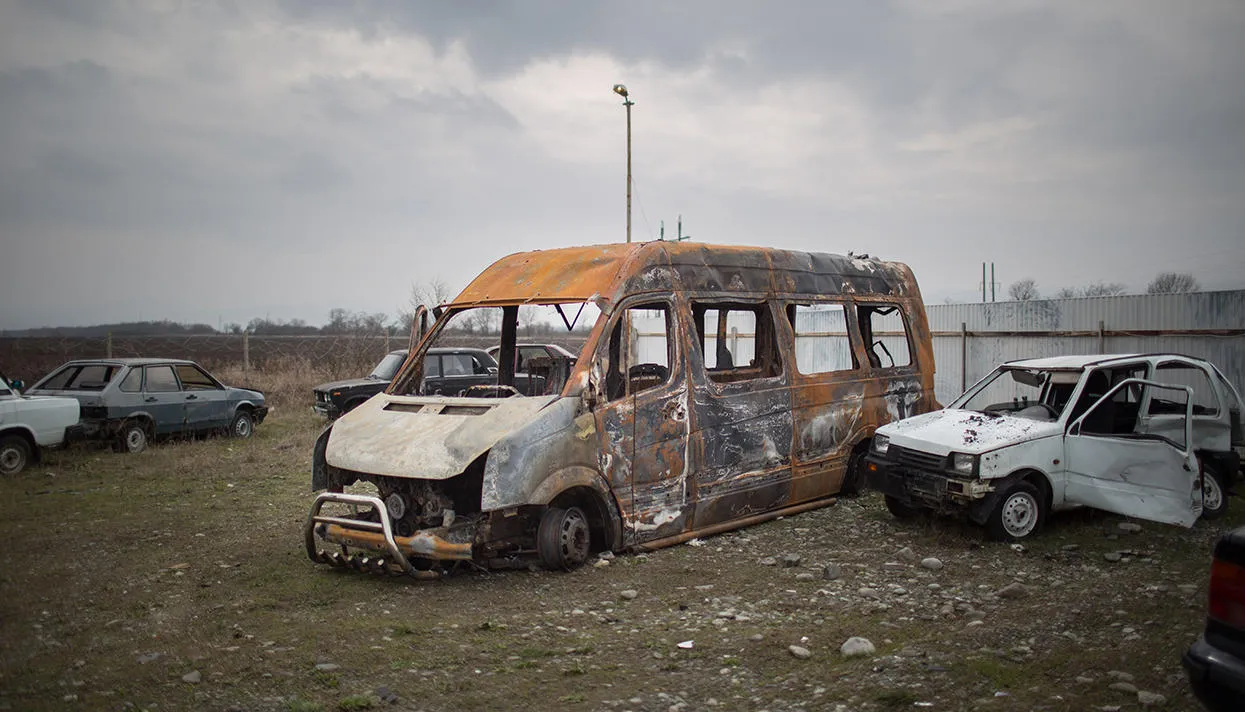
point(17, 384)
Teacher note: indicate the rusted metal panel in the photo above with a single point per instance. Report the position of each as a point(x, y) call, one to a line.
point(575, 274)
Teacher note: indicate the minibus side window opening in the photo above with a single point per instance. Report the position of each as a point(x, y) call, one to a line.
point(737, 341)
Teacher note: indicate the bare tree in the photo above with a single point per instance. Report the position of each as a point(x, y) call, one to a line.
point(1173, 283)
point(1023, 290)
point(1096, 289)
point(1103, 289)
point(429, 294)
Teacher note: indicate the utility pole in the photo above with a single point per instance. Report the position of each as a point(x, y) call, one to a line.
point(681, 237)
point(991, 283)
point(621, 90)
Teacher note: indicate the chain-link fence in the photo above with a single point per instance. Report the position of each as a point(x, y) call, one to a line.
point(333, 356)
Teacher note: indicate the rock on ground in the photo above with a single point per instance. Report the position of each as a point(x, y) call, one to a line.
point(857, 646)
point(799, 652)
point(1014, 589)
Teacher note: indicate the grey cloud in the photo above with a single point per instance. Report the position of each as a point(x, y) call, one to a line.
point(1150, 124)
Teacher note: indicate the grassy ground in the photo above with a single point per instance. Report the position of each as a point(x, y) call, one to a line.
point(176, 579)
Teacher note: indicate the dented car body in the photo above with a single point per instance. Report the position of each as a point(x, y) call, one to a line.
point(1153, 436)
point(718, 387)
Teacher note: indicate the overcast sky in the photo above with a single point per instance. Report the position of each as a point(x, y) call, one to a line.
point(218, 161)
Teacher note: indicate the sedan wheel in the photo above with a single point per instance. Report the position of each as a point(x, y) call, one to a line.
point(133, 438)
point(14, 454)
point(243, 425)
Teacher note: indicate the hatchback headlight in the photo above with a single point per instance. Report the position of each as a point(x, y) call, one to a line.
point(964, 464)
point(881, 444)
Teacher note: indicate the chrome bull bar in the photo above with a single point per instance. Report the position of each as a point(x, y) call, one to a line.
point(375, 536)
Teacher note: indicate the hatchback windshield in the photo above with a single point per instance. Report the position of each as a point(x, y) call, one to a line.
point(1029, 393)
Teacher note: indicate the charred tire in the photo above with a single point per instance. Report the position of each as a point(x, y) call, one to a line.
point(1018, 514)
point(564, 538)
point(242, 426)
point(1214, 494)
point(132, 438)
point(904, 512)
point(14, 454)
point(854, 475)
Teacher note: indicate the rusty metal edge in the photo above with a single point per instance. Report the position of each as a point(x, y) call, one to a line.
point(735, 524)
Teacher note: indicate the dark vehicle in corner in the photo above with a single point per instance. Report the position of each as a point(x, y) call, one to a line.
point(1216, 662)
point(448, 372)
point(338, 397)
point(131, 401)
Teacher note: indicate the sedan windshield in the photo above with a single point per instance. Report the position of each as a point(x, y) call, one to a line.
point(387, 367)
point(1028, 393)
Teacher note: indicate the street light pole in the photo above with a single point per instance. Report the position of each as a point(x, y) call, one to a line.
point(621, 90)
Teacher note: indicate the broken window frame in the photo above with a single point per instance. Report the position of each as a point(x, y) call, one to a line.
point(1208, 387)
point(767, 361)
point(792, 312)
point(864, 318)
point(612, 348)
point(1077, 426)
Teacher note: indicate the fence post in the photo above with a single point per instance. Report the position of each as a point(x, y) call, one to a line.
point(963, 357)
point(386, 339)
point(246, 351)
point(1102, 340)
point(108, 346)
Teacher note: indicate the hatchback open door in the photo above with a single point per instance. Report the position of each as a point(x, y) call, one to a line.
point(1113, 465)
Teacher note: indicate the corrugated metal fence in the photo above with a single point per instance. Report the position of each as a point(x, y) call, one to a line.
point(970, 339)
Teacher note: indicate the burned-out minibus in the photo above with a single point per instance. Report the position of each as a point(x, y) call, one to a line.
point(717, 387)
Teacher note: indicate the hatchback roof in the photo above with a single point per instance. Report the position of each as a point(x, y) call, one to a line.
point(128, 361)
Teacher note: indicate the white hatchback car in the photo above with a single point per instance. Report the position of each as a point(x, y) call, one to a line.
point(1154, 436)
point(29, 423)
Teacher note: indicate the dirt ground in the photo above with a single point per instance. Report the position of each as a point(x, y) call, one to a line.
point(176, 579)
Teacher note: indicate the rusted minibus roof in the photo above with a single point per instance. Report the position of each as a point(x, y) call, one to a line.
point(609, 272)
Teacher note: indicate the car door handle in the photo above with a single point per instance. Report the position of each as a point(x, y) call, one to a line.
point(150, 399)
point(192, 397)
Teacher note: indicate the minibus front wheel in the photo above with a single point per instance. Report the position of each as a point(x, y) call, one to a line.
point(564, 538)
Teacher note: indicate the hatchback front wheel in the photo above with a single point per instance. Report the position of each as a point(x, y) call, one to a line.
point(1017, 515)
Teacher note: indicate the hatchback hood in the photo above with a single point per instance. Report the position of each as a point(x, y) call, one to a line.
point(425, 437)
point(967, 431)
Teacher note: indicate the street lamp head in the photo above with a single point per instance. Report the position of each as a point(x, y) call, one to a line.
point(620, 90)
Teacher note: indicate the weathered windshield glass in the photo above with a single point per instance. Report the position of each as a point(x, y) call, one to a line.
point(388, 367)
point(1029, 393)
